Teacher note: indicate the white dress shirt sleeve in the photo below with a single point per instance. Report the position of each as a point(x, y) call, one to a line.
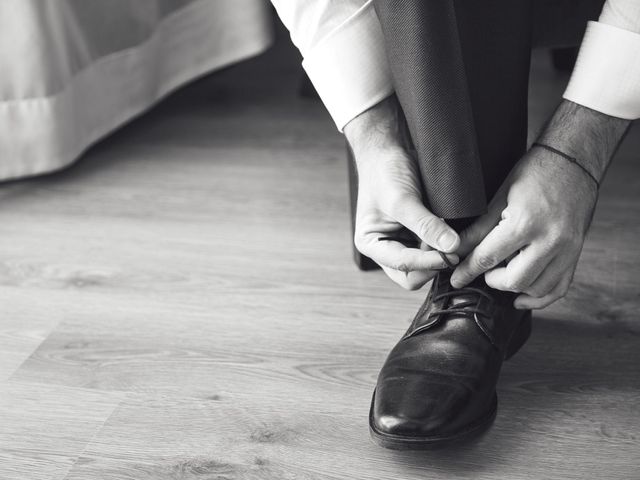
point(606, 77)
point(344, 55)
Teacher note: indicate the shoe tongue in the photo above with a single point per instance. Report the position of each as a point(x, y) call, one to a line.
point(462, 298)
point(442, 303)
point(444, 285)
point(443, 281)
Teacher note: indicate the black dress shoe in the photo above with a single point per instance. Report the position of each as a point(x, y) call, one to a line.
point(438, 384)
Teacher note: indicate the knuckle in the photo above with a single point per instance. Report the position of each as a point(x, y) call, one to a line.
point(358, 242)
point(402, 267)
point(520, 219)
point(426, 226)
point(485, 261)
point(402, 263)
point(507, 213)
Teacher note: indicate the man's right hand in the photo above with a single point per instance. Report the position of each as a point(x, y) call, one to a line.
point(389, 201)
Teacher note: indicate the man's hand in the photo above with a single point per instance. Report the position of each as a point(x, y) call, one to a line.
point(389, 201)
point(538, 220)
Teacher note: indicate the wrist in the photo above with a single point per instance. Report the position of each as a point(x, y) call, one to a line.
point(588, 136)
point(569, 159)
point(378, 128)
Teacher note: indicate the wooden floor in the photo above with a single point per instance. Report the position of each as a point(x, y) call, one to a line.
point(182, 304)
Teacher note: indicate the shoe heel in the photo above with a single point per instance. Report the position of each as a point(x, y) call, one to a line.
point(520, 336)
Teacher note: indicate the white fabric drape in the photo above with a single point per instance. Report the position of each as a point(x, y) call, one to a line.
point(71, 71)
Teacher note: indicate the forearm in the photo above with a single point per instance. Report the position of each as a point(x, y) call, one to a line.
point(589, 136)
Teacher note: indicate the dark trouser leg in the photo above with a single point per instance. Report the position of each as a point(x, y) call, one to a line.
point(461, 70)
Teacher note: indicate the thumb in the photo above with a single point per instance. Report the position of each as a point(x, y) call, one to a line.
point(431, 229)
point(471, 237)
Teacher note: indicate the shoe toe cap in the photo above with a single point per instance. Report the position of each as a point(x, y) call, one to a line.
point(407, 427)
point(398, 419)
point(433, 413)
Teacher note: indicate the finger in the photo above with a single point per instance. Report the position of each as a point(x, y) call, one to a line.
point(521, 271)
point(412, 243)
point(432, 230)
point(480, 228)
point(499, 244)
point(550, 278)
point(527, 302)
point(395, 255)
point(409, 280)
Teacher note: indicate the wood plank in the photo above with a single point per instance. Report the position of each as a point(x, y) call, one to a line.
point(290, 437)
point(197, 264)
point(45, 428)
point(22, 329)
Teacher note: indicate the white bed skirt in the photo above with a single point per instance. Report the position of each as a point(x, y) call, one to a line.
point(72, 71)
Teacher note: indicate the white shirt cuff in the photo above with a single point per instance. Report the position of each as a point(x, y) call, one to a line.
point(349, 66)
point(606, 77)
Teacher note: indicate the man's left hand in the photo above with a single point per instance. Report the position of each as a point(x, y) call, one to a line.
point(536, 222)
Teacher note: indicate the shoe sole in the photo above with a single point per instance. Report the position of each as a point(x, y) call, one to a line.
point(471, 431)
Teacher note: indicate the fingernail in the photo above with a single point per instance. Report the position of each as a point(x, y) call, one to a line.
point(447, 240)
point(455, 281)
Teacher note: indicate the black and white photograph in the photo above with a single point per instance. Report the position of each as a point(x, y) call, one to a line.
point(319, 239)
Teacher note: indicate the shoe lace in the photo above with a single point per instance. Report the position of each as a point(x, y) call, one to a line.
point(461, 307)
point(467, 307)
